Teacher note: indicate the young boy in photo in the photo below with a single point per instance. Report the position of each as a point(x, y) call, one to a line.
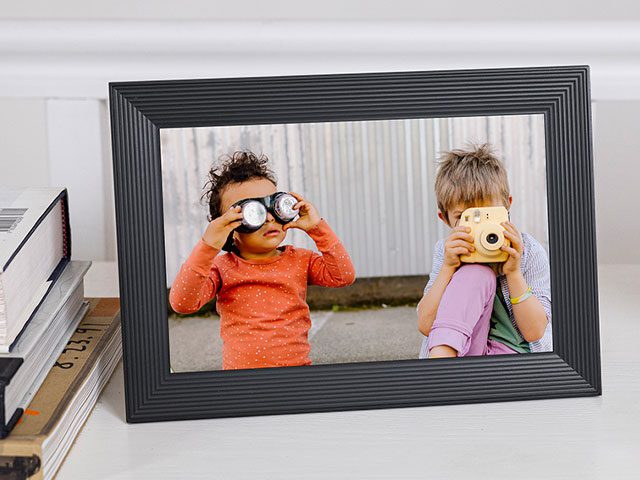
point(260, 287)
point(475, 308)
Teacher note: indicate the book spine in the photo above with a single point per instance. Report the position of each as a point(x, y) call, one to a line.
point(66, 225)
point(8, 368)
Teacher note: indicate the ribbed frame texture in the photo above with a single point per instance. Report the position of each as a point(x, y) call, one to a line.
point(140, 109)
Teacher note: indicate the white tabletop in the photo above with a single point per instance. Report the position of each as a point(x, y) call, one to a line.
point(595, 437)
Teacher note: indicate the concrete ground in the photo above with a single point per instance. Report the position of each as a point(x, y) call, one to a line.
point(335, 337)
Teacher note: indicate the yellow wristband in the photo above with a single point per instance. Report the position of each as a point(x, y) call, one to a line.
point(521, 298)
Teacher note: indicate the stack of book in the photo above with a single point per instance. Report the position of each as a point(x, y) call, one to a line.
point(57, 349)
point(40, 441)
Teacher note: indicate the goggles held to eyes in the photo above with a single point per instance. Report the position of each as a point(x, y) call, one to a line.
point(254, 210)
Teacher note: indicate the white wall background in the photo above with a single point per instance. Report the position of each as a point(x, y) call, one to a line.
point(56, 59)
point(327, 10)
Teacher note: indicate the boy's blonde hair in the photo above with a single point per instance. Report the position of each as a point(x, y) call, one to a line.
point(470, 177)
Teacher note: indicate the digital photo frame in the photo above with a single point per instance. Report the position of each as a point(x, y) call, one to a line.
point(142, 111)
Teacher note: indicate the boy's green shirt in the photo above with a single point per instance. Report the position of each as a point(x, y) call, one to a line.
point(502, 330)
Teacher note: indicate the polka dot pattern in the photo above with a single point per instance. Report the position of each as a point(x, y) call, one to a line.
point(264, 316)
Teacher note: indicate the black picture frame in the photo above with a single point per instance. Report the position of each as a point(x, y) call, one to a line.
point(140, 109)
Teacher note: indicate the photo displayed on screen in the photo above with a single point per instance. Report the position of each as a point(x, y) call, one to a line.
point(323, 243)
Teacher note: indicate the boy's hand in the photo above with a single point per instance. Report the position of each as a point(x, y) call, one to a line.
point(459, 242)
point(512, 265)
point(308, 215)
point(219, 228)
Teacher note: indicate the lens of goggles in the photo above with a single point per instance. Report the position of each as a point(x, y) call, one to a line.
point(283, 207)
point(254, 214)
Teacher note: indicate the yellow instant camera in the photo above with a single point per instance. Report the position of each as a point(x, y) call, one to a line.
point(487, 233)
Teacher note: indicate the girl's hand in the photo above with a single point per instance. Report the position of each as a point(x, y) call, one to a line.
point(512, 265)
point(308, 215)
point(459, 242)
point(219, 228)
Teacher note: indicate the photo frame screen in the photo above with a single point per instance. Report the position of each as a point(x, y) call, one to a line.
point(373, 183)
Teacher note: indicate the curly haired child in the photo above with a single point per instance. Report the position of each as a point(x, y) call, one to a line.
point(260, 287)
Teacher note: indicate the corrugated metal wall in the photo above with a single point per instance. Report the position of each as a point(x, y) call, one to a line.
point(372, 181)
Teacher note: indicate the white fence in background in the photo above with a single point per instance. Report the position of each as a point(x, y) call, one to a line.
point(372, 181)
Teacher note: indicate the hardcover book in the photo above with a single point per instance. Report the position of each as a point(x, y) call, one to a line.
point(35, 244)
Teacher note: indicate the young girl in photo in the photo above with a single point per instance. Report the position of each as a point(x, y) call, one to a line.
point(260, 287)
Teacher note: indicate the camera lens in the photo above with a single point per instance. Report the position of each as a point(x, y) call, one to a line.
point(492, 238)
